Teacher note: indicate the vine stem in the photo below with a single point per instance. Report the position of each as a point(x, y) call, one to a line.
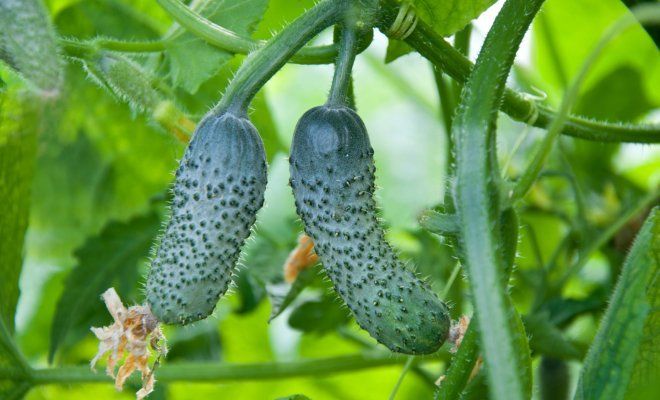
point(77, 48)
point(230, 41)
point(399, 381)
point(532, 171)
point(206, 372)
point(477, 201)
point(518, 106)
point(341, 80)
point(262, 64)
point(461, 367)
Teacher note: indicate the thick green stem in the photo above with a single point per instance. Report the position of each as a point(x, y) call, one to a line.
point(232, 42)
point(518, 106)
point(462, 365)
point(262, 64)
point(207, 372)
point(341, 80)
point(477, 200)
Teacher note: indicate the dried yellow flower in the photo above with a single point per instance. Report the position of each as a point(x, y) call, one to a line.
point(134, 330)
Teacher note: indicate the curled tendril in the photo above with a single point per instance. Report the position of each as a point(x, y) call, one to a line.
point(533, 98)
point(404, 24)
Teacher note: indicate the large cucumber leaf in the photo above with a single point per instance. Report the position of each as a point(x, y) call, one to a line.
point(101, 260)
point(239, 16)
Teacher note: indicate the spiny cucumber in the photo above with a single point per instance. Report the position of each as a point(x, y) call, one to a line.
point(218, 190)
point(28, 44)
point(332, 176)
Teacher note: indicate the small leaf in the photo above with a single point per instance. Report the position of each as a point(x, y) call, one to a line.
point(282, 294)
point(19, 116)
point(199, 342)
point(238, 16)
point(101, 259)
point(396, 49)
point(624, 356)
point(449, 16)
point(319, 316)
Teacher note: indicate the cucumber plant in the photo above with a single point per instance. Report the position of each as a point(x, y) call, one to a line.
point(512, 324)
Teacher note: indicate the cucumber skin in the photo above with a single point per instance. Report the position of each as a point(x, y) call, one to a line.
point(332, 176)
point(219, 188)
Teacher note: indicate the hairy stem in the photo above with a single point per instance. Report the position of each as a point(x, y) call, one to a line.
point(462, 364)
point(232, 42)
point(77, 48)
point(207, 372)
point(477, 201)
point(518, 106)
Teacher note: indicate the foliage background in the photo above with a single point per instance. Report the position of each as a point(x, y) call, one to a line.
point(102, 169)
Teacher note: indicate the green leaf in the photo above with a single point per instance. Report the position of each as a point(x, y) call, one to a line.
point(396, 49)
point(279, 13)
point(96, 163)
point(193, 61)
point(282, 294)
point(449, 16)
point(28, 43)
point(19, 125)
point(110, 18)
point(199, 342)
point(103, 258)
point(624, 359)
point(557, 58)
point(319, 316)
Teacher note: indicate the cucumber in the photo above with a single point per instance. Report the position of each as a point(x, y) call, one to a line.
point(28, 43)
point(332, 176)
point(219, 188)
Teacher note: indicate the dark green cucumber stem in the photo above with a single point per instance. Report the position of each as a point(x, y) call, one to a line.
point(341, 80)
point(263, 63)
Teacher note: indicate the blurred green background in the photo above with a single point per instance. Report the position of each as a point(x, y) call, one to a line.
point(103, 170)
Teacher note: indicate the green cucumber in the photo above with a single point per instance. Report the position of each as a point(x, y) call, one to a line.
point(28, 44)
point(332, 176)
point(218, 190)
